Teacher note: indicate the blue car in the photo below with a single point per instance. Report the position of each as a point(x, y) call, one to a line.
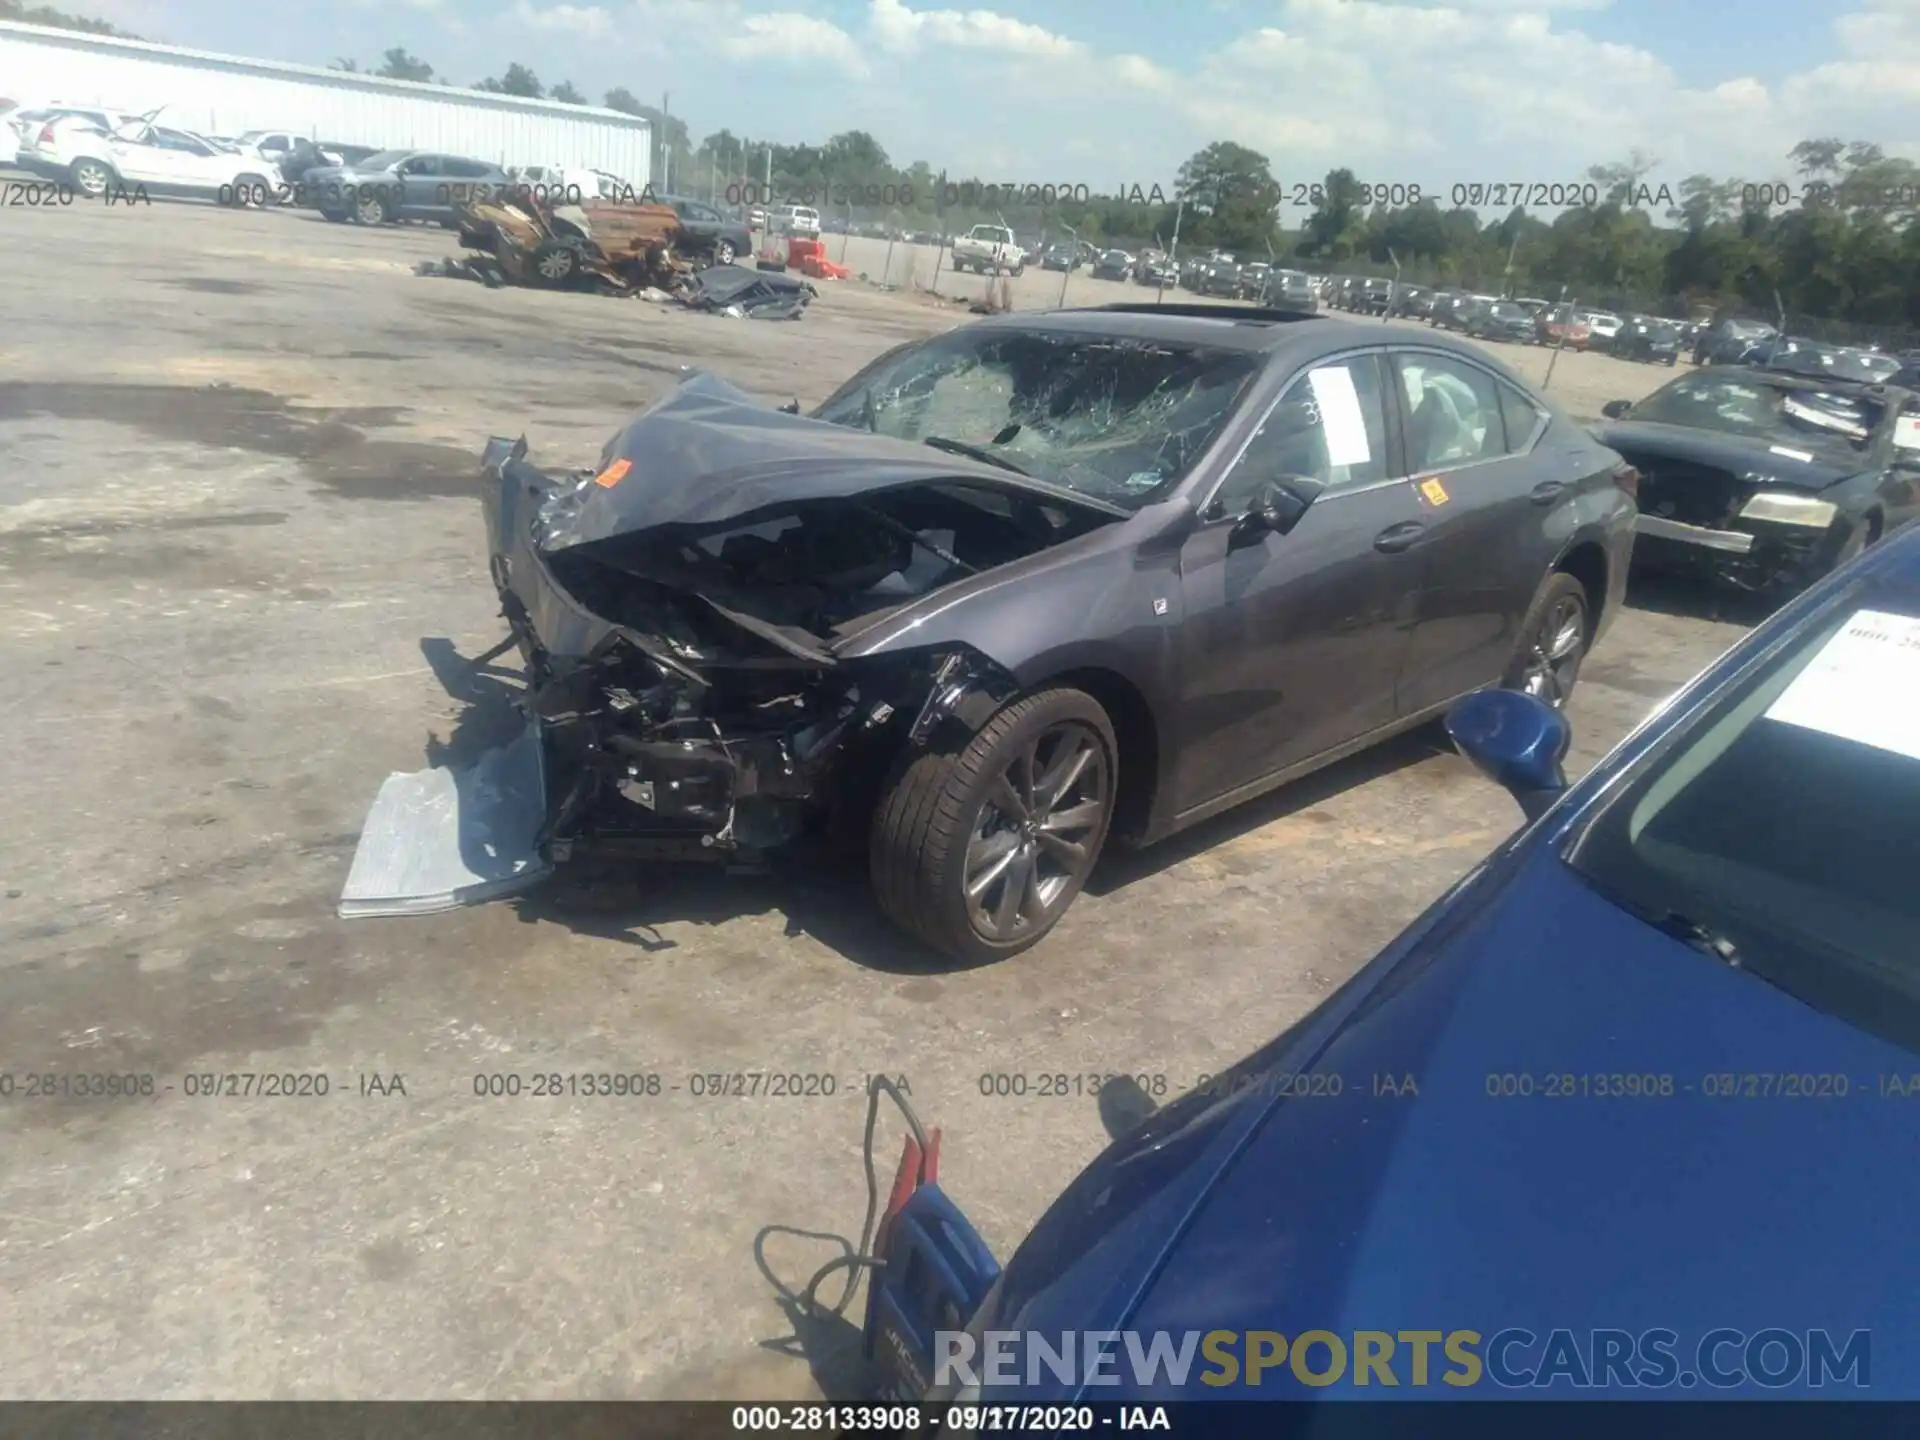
point(1631, 1112)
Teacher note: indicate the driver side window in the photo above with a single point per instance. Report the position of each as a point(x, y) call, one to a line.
point(1329, 425)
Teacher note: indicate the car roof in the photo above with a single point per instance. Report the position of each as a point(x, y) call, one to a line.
point(1234, 327)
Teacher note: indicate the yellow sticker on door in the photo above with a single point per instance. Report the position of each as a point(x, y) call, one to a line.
point(1433, 492)
point(613, 474)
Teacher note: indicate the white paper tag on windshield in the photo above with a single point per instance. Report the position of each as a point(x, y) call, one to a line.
point(1863, 686)
point(1906, 432)
point(1340, 418)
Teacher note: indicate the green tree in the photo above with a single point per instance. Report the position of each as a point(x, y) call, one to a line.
point(1231, 197)
point(518, 80)
point(397, 64)
point(567, 94)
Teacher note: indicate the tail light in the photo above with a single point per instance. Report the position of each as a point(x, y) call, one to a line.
point(1628, 479)
point(46, 135)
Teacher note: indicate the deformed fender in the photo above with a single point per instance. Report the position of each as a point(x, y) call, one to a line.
point(967, 690)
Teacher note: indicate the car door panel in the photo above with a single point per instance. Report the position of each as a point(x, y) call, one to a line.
point(137, 159)
point(1498, 510)
point(1291, 645)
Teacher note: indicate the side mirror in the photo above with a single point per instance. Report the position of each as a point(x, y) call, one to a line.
point(1124, 1106)
point(1614, 409)
point(1516, 741)
point(1279, 504)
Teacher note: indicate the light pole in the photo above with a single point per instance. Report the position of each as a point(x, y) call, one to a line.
point(1173, 253)
point(1067, 274)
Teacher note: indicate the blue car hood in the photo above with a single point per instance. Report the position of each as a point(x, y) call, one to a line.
point(1455, 1183)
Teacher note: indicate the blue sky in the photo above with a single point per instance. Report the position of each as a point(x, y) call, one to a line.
point(1099, 92)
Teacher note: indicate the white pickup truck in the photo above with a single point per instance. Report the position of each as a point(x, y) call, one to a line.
point(989, 249)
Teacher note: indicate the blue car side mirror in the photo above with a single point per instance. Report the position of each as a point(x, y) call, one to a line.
point(1516, 741)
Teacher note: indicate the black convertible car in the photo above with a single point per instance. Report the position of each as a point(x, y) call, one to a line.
point(1016, 591)
point(1767, 477)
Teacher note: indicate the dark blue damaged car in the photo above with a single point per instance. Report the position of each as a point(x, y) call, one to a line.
point(1631, 1112)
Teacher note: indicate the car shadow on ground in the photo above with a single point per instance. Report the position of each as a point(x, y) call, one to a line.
point(822, 894)
point(1120, 868)
point(1696, 597)
point(486, 692)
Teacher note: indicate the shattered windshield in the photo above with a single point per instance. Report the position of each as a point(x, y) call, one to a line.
point(1794, 417)
point(1118, 418)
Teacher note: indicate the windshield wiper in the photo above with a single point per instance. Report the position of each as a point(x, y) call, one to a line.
point(1707, 941)
point(975, 452)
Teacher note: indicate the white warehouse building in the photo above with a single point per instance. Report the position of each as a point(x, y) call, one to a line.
point(227, 95)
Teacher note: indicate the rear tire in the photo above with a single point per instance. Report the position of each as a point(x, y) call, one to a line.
point(979, 851)
point(252, 192)
point(1554, 639)
point(372, 210)
point(92, 178)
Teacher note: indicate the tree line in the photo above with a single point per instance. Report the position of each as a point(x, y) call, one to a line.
point(1835, 236)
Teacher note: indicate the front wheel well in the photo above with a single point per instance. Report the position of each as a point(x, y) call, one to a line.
point(1587, 563)
point(1138, 737)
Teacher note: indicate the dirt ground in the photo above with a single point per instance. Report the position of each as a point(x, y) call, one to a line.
point(239, 556)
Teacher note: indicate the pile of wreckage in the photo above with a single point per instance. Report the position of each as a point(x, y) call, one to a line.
point(612, 247)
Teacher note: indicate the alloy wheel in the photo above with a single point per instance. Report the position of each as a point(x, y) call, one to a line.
point(556, 265)
point(1032, 840)
point(723, 253)
point(1555, 651)
point(91, 179)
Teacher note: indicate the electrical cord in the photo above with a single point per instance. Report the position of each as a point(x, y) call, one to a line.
point(862, 1258)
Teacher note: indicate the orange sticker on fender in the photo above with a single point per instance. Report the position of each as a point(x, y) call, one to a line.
point(1434, 492)
point(613, 474)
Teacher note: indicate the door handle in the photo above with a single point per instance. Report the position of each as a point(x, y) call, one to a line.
point(1395, 538)
point(1547, 491)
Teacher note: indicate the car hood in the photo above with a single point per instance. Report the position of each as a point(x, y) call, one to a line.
point(1734, 452)
point(1425, 1196)
point(708, 452)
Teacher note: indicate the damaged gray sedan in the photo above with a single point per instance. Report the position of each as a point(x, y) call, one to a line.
point(1011, 592)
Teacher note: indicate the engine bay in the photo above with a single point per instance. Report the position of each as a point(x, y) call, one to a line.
point(826, 569)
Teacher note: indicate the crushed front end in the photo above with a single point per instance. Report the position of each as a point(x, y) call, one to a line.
point(686, 729)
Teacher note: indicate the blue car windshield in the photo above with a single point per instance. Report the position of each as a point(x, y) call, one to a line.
point(1780, 829)
point(1116, 417)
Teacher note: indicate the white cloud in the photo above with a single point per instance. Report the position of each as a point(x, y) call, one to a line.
point(899, 29)
point(572, 19)
point(789, 35)
point(1397, 90)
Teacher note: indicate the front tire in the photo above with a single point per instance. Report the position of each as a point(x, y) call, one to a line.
point(372, 210)
point(979, 851)
point(556, 262)
point(1554, 639)
point(723, 253)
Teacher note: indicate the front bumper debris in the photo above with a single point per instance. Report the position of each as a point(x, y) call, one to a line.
point(1733, 542)
point(442, 838)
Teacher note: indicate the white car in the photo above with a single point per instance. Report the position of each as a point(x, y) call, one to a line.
point(796, 220)
point(22, 129)
point(1602, 325)
point(152, 158)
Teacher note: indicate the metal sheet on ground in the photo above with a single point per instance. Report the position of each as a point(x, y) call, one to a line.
point(442, 838)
